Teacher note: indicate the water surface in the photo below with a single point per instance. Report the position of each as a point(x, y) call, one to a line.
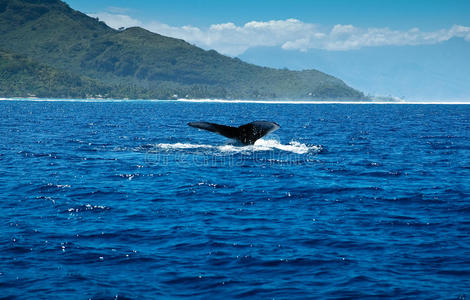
point(123, 199)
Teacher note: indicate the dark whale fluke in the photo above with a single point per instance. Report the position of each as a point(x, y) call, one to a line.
point(247, 134)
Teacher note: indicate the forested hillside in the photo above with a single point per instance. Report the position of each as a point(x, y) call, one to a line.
point(51, 50)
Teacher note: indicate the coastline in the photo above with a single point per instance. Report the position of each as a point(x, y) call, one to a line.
point(91, 100)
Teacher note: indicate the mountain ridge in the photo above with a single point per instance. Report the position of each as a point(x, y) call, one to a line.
point(136, 63)
point(437, 72)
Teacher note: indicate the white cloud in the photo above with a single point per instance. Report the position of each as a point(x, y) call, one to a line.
point(290, 34)
point(117, 20)
point(343, 30)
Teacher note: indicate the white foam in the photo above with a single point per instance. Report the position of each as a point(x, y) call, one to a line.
point(260, 145)
point(293, 146)
point(285, 101)
point(177, 146)
point(445, 102)
point(402, 102)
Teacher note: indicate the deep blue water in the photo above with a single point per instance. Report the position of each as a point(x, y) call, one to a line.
point(123, 199)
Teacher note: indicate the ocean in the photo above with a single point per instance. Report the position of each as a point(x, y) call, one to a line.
point(123, 200)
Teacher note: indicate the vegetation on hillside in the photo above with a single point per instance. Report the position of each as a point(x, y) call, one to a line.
point(19, 76)
point(49, 49)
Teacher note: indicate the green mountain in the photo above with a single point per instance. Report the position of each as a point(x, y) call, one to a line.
point(20, 76)
point(48, 49)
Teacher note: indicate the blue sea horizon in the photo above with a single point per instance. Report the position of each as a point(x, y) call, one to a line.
point(121, 199)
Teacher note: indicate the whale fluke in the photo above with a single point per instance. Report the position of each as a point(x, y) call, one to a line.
point(246, 134)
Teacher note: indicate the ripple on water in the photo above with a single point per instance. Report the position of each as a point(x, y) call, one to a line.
point(114, 200)
point(88, 208)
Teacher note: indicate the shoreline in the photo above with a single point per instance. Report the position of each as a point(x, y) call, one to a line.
point(91, 100)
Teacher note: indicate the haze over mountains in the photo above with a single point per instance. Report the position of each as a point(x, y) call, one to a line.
point(51, 50)
point(425, 72)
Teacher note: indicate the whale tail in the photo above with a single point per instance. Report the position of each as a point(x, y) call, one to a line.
point(247, 134)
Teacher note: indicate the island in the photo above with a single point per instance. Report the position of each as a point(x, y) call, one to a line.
point(51, 50)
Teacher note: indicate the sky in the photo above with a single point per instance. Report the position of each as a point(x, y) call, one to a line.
point(305, 34)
